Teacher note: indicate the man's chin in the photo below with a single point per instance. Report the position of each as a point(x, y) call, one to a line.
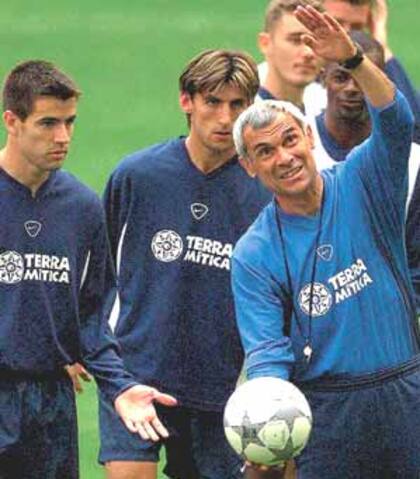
point(359, 115)
point(305, 80)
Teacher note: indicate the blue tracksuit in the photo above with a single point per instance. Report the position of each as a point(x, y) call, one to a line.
point(172, 231)
point(363, 379)
point(54, 274)
point(338, 153)
point(360, 322)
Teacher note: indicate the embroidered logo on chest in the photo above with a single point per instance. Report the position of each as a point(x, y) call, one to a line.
point(325, 252)
point(321, 301)
point(33, 228)
point(167, 246)
point(199, 210)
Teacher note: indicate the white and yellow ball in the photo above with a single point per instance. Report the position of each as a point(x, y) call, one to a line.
point(267, 421)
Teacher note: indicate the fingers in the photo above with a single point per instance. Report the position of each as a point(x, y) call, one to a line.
point(165, 399)
point(72, 371)
point(309, 40)
point(262, 468)
point(257, 467)
point(85, 375)
point(152, 430)
point(77, 385)
point(315, 21)
point(310, 17)
point(160, 428)
point(306, 18)
point(332, 23)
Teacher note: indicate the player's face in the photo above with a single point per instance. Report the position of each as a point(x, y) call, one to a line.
point(212, 115)
point(351, 17)
point(42, 140)
point(345, 98)
point(292, 61)
point(280, 154)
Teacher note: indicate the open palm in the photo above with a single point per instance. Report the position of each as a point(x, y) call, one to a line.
point(326, 36)
point(136, 409)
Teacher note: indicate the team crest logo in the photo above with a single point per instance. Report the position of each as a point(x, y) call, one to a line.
point(199, 210)
point(11, 267)
point(33, 228)
point(325, 252)
point(321, 301)
point(167, 246)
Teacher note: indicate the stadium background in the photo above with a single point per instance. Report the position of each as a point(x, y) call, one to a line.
point(126, 56)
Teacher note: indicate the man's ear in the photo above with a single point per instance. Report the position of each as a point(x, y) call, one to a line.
point(264, 41)
point(185, 102)
point(310, 137)
point(323, 76)
point(248, 166)
point(11, 121)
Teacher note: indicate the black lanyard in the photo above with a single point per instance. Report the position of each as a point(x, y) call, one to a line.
point(307, 350)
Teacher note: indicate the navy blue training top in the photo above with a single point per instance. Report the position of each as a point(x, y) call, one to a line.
point(172, 231)
point(54, 275)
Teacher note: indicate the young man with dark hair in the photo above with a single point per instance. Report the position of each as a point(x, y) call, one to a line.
point(175, 210)
point(321, 282)
point(291, 65)
point(55, 272)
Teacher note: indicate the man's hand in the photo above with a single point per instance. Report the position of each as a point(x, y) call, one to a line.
point(136, 409)
point(326, 36)
point(76, 372)
point(255, 471)
point(285, 471)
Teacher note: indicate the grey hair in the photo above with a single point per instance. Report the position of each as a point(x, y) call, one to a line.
point(261, 114)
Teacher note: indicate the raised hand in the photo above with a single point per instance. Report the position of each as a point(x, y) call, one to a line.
point(326, 36)
point(136, 409)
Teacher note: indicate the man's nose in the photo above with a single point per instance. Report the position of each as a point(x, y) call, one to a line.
point(62, 133)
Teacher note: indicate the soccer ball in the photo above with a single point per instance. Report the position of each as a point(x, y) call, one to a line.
point(267, 421)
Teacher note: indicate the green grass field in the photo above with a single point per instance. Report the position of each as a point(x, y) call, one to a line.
point(126, 57)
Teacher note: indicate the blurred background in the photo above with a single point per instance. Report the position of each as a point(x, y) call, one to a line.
point(126, 57)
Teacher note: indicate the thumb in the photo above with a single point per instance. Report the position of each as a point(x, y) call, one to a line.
point(165, 399)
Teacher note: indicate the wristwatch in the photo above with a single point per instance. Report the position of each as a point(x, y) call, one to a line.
point(354, 61)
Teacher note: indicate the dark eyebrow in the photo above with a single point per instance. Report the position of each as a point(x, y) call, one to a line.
point(55, 119)
point(295, 34)
point(47, 118)
point(211, 96)
point(290, 129)
point(260, 145)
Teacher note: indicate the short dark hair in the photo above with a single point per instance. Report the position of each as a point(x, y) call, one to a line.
point(32, 79)
point(277, 8)
point(371, 47)
point(214, 69)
